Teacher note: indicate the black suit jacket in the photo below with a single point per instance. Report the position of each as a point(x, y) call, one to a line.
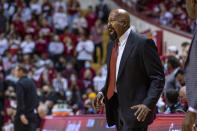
point(140, 80)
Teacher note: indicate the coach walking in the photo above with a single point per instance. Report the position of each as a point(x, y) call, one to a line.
point(135, 76)
point(27, 102)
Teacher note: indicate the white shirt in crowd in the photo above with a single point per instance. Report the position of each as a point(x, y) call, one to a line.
point(57, 5)
point(3, 45)
point(85, 50)
point(56, 48)
point(36, 7)
point(60, 85)
point(99, 82)
point(79, 23)
point(27, 47)
point(26, 14)
point(60, 20)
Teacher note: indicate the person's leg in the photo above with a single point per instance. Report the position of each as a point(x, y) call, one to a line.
point(95, 52)
point(101, 51)
point(32, 126)
point(19, 126)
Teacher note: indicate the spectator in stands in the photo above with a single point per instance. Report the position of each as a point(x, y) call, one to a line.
point(8, 61)
point(56, 48)
point(69, 49)
point(60, 20)
point(73, 7)
point(173, 104)
point(30, 29)
point(99, 81)
point(102, 10)
point(35, 7)
point(60, 64)
point(47, 8)
point(41, 43)
point(3, 44)
point(87, 67)
point(91, 17)
point(3, 22)
point(172, 64)
point(59, 3)
point(79, 22)
point(96, 33)
point(69, 70)
point(26, 13)
point(180, 77)
point(185, 48)
point(46, 29)
point(173, 51)
point(28, 45)
point(171, 81)
point(84, 49)
point(60, 84)
point(182, 97)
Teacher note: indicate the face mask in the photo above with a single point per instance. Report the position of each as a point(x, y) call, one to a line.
point(72, 78)
point(68, 94)
point(165, 67)
point(68, 67)
point(87, 65)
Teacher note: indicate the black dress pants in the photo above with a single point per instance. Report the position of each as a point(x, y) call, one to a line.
point(19, 126)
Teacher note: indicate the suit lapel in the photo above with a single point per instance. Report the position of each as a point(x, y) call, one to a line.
point(127, 50)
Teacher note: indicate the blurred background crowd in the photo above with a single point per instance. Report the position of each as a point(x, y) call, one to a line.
point(171, 13)
point(64, 48)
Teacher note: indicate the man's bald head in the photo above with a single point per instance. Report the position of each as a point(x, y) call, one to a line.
point(118, 22)
point(122, 15)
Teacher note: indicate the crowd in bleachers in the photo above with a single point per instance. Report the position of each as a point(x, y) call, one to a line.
point(167, 12)
point(59, 43)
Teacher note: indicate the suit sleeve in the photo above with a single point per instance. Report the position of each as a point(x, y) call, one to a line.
point(154, 71)
point(20, 99)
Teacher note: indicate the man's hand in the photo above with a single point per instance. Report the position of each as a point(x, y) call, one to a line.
point(189, 121)
point(24, 119)
point(98, 101)
point(142, 112)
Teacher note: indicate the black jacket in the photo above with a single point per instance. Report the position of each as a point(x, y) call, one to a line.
point(140, 80)
point(27, 99)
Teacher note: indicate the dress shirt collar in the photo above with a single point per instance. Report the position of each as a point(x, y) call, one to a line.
point(124, 37)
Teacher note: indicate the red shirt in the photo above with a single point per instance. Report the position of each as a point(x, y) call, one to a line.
point(41, 45)
point(63, 37)
point(72, 8)
point(91, 19)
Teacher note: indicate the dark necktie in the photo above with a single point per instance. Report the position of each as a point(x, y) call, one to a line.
point(112, 71)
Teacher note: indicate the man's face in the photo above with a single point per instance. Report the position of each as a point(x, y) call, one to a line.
point(191, 7)
point(181, 79)
point(17, 72)
point(114, 26)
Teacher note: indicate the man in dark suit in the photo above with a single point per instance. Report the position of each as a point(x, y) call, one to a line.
point(135, 76)
point(191, 73)
point(27, 102)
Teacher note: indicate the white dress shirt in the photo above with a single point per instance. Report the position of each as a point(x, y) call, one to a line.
point(122, 43)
